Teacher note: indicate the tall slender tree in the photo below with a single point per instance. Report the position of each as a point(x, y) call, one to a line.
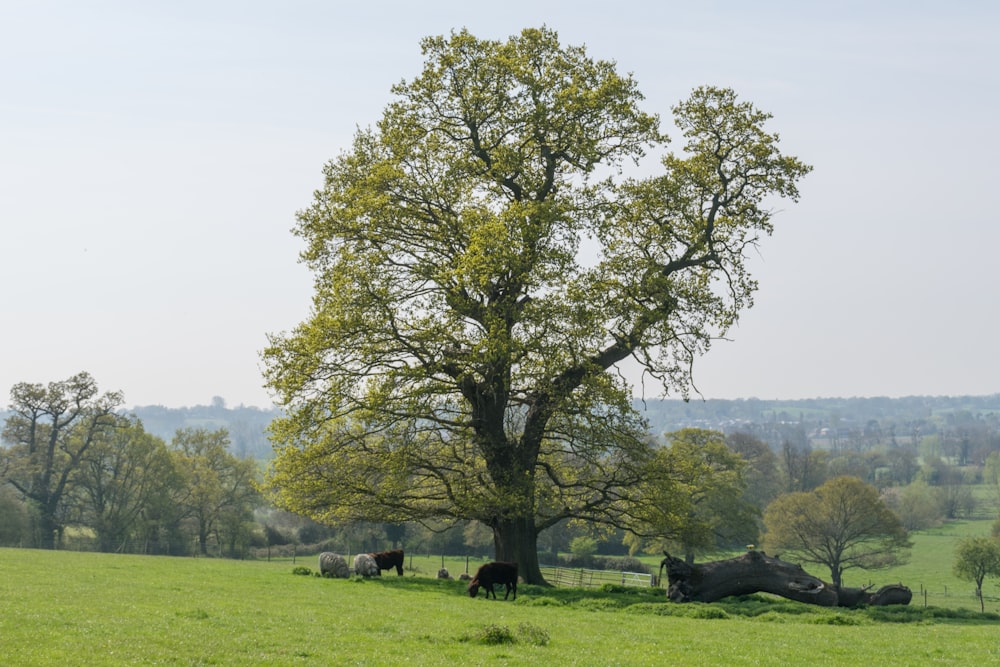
point(975, 559)
point(482, 267)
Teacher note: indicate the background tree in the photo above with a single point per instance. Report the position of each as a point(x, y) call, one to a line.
point(975, 559)
point(917, 505)
point(460, 358)
point(761, 473)
point(220, 488)
point(50, 432)
point(842, 524)
point(14, 520)
point(124, 473)
point(804, 468)
point(693, 499)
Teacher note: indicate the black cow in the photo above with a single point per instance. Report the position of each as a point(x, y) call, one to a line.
point(491, 574)
point(387, 560)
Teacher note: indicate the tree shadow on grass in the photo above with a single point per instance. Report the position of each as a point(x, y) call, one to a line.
point(632, 599)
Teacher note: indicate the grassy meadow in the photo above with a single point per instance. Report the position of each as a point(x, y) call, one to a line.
point(72, 608)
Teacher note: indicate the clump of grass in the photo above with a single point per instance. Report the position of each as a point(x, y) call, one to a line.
point(543, 601)
point(631, 591)
point(835, 619)
point(771, 617)
point(705, 612)
point(529, 633)
point(302, 570)
point(654, 608)
point(494, 635)
point(597, 604)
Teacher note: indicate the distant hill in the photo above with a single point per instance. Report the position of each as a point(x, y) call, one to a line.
point(246, 426)
point(807, 421)
point(804, 421)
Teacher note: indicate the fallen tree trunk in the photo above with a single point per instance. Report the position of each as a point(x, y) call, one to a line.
point(756, 572)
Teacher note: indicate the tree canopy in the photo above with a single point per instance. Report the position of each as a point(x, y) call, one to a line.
point(50, 433)
point(692, 499)
point(482, 264)
point(841, 524)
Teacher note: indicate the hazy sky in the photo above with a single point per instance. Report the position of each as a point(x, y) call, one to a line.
point(153, 156)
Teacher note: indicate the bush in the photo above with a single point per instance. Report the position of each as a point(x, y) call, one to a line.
point(275, 536)
point(495, 634)
point(532, 634)
point(583, 549)
point(623, 564)
point(491, 635)
point(541, 601)
point(705, 611)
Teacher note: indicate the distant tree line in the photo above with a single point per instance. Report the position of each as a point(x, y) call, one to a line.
point(75, 471)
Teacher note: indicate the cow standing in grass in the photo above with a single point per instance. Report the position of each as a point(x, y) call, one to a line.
point(389, 559)
point(491, 574)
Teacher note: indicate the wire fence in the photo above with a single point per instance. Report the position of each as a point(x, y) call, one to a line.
point(583, 578)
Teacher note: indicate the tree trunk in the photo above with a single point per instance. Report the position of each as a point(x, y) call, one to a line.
point(203, 540)
point(516, 541)
point(756, 572)
point(47, 529)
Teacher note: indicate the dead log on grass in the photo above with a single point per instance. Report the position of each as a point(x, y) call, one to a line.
point(756, 572)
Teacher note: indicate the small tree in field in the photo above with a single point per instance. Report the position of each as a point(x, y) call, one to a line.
point(975, 559)
point(842, 524)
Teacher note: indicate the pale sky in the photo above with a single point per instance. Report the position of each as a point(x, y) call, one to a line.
point(153, 156)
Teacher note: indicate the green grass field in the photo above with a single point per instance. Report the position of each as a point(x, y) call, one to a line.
point(929, 569)
point(70, 608)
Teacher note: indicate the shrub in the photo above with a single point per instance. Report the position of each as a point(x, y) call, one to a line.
point(542, 601)
point(771, 617)
point(527, 633)
point(707, 611)
point(532, 634)
point(275, 536)
point(623, 564)
point(495, 634)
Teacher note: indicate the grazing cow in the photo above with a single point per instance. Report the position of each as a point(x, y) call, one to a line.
point(333, 565)
point(491, 574)
point(365, 566)
point(390, 559)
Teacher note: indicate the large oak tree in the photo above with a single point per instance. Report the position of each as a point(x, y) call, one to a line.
point(50, 433)
point(482, 266)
